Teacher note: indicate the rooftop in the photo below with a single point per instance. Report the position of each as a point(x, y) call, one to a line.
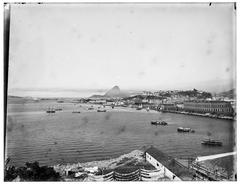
point(170, 163)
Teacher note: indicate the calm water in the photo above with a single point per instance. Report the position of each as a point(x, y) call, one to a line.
point(64, 137)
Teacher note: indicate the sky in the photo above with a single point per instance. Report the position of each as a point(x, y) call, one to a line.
point(134, 46)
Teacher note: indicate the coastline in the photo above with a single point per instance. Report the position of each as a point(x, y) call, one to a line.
point(136, 156)
point(202, 115)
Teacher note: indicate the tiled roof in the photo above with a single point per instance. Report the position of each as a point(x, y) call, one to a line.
point(169, 163)
point(157, 154)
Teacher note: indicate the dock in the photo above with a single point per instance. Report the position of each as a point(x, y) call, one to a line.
point(210, 157)
point(218, 167)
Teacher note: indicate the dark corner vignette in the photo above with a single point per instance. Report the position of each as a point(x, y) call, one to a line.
point(5, 65)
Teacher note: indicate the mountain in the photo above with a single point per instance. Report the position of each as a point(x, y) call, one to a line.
point(115, 92)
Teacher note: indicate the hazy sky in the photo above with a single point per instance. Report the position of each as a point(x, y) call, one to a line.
point(135, 46)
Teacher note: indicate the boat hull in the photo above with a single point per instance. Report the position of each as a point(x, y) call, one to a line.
point(50, 111)
point(211, 143)
point(185, 130)
point(163, 123)
point(101, 111)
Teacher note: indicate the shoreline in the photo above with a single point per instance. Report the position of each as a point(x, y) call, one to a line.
point(83, 109)
point(202, 115)
point(135, 155)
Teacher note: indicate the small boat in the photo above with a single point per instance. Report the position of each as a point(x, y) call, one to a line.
point(211, 142)
point(101, 110)
point(60, 101)
point(50, 110)
point(158, 123)
point(90, 108)
point(139, 108)
point(58, 109)
point(76, 112)
point(147, 109)
point(181, 129)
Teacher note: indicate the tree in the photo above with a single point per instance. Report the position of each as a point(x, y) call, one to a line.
point(32, 172)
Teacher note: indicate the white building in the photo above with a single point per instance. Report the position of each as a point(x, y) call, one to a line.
point(154, 157)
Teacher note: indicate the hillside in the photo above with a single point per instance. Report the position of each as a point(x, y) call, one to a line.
point(229, 94)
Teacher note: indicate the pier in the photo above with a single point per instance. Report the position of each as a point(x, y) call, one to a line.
point(210, 157)
point(204, 170)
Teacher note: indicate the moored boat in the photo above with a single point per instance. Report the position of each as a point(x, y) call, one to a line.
point(101, 110)
point(181, 129)
point(50, 110)
point(76, 112)
point(158, 123)
point(211, 142)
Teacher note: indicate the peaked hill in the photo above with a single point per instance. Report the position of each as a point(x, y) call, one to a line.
point(112, 93)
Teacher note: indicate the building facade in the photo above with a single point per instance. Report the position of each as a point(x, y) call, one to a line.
point(154, 157)
point(167, 107)
point(213, 107)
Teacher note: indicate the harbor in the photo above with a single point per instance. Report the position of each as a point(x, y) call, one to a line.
point(130, 129)
point(118, 92)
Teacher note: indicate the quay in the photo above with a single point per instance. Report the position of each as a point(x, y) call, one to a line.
point(210, 157)
point(206, 168)
point(199, 114)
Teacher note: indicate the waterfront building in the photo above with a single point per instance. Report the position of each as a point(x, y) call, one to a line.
point(213, 107)
point(180, 106)
point(97, 101)
point(156, 157)
point(167, 107)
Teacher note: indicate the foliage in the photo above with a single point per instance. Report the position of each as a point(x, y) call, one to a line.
point(31, 172)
